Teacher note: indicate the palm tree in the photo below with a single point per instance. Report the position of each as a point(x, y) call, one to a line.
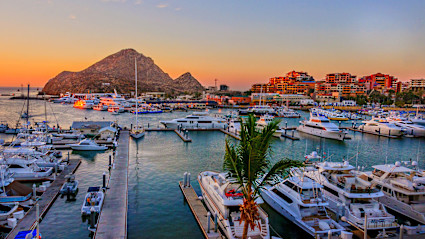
point(248, 163)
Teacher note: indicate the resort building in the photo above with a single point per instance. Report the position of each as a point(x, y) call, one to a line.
point(417, 84)
point(381, 82)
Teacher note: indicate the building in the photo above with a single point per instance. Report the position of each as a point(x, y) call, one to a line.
point(240, 100)
point(275, 98)
point(224, 88)
point(90, 128)
point(380, 82)
point(294, 82)
point(107, 133)
point(338, 85)
point(417, 84)
point(263, 88)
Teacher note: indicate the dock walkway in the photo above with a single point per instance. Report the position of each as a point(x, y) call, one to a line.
point(183, 136)
point(113, 217)
point(48, 198)
point(200, 212)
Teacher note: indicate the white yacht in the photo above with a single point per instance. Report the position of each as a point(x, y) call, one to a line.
point(112, 100)
point(322, 127)
point(197, 120)
point(418, 119)
point(68, 98)
point(404, 189)
point(84, 104)
point(411, 128)
point(264, 121)
point(87, 145)
point(381, 127)
point(261, 110)
point(94, 199)
point(285, 112)
point(235, 126)
point(26, 169)
point(351, 196)
point(222, 196)
point(300, 200)
point(100, 107)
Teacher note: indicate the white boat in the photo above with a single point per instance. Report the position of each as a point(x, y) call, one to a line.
point(197, 120)
point(92, 201)
point(411, 128)
point(285, 112)
point(300, 200)
point(235, 126)
point(261, 110)
point(403, 188)
point(87, 145)
point(113, 99)
point(116, 109)
point(224, 197)
point(84, 104)
point(312, 156)
point(24, 169)
point(266, 120)
point(418, 119)
point(66, 99)
point(138, 131)
point(322, 127)
point(381, 127)
point(351, 196)
point(100, 107)
point(7, 209)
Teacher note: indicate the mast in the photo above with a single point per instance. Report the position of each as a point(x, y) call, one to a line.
point(137, 102)
point(261, 92)
point(28, 103)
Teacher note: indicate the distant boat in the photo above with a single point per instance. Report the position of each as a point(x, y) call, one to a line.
point(87, 145)
point(138, 131)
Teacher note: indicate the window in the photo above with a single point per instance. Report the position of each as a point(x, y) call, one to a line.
point(331, 191)
point(283, 196)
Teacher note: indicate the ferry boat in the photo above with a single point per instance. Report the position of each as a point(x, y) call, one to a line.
point(403, 188)
point(382, 127)
point(222, 196)
point(300, 200)
point(352, 196)
point(264, 121)
point(197, 120)
point(322, 127)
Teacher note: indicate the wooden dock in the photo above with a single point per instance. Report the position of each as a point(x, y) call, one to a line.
point(199, 212)
point(233, 135)
point(183, 136)
point(113, 217)
point(48, 198)
point(290, 136)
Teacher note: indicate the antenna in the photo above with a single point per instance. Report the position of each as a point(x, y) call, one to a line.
point(215, 83)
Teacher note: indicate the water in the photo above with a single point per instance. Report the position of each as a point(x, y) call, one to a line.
point(158, 161)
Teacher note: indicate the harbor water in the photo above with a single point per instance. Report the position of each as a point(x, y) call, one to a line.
point(156, 208)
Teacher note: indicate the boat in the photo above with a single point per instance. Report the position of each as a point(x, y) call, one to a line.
point(352, 196)
point(100, 107)
point(7, 209)
point(84, 104)
point(197, 120)
point(312, 156)
point(300, 200)
point(147, 111)
point(235, 126)
point(381, 127)
point(266, 120)
point(285, 112)
point(112, 100)
point(222, 196)
point(321, 126)
point(411, 128)
point(87, 145)
point(69, 135)
point(26, 169)
point(138, 131)
point(70, 187)
point(116, 109)
point(92, 201)
point(403, 188)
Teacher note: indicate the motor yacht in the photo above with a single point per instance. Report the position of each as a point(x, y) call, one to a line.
point(266, 120)
point(351, 196)
point(26, 169)
point(261, 110)
point(418, 119)
point(403, 188)
point(235, 125)
point(300, 200)
point(411, 128)
point(112, 99)
point(93, 200)
point(116, 109)
point(66, 99)
point(197, 120)
point(381, 127)
point(100, 107)
point(285, 112)
point(322, 127)
point(223, 196)
point(87, 145)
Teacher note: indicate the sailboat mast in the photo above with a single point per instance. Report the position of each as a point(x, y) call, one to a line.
point(28, 102)
point(137, 102)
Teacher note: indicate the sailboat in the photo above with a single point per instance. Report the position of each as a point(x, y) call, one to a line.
point(137, 131)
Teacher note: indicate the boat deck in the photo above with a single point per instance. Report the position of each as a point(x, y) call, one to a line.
point(113, 217)
point(199, 212)
point(48, 198)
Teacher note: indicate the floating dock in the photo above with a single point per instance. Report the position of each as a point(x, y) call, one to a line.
point(199, 212)
point(48, 198)
point(113, 217)
point(233, 135)
point(185, 137)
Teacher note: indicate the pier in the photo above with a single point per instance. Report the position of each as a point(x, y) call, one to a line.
point(183, 135)
point(199, 212)
point(113, 217)
point(48, 198)
point(233, 135)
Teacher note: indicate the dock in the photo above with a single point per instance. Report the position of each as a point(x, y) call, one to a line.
point(199, 212)
point(184, 136)
point(290, 136)
point(48, 198)
point(113, 217)
point(233, 135)
point(377, 133)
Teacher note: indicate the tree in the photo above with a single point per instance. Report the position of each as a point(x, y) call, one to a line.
point(248, 164)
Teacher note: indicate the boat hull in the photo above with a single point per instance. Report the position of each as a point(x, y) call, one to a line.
point(322, 133)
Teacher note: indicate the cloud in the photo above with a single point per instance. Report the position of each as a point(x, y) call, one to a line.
point(72, 17)
point(138, 2)
point(119, 1)
point(178, 9)
point(163, 5)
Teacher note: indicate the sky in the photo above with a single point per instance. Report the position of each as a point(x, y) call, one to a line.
point(238, 42)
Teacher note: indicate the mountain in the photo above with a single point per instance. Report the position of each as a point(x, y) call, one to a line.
point(117, 72)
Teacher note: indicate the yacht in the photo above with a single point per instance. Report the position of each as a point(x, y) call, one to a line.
point(261, 110)
point(112, 100)
point(235, 126)
point(66, 99)
point(418, 119)
point(23, 169)
point(411, 128)
point(322, 127)
point(84, 104)
point(403, 188)
point(87, 145)
point(94, 199)
point(138, 131)
point(285, 112)
point(381, 127)
point(116, 108)
point(300, 200)
point(264, 121)
point(196, 120)
point(222, 196)
point(100, 107)
point(351, 196)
